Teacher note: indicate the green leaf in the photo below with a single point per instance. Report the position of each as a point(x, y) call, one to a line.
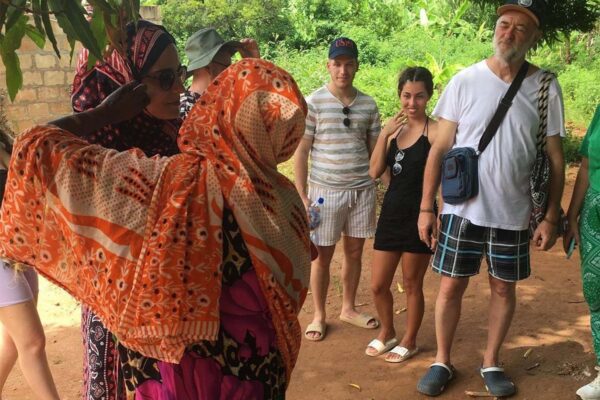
point(14, 76)
point(63, 21)
point(102, 5)
point(99, 31)
point(36, 7)
point(14, 13)
point(75, 13)
point(134, 9)
point(465, 5)
point(14, 35)
point(58, 7)
point(8, 46)
point(38, 37)
point(115, 3)
point(72, 52)
point(3, 11)
point(48, 26)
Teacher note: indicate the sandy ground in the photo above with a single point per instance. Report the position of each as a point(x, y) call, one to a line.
point(551, 319)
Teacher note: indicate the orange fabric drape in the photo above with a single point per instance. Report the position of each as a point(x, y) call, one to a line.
point(139, 239)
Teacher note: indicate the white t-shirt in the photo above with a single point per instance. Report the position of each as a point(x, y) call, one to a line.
point(471, 99)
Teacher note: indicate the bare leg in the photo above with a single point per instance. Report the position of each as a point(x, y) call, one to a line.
point(382, 275)
point(502, 309)
point(8, 356)
point(414, 267)
point(351, 268)
point(447, 314)
point(22, 323)
point(319, 283)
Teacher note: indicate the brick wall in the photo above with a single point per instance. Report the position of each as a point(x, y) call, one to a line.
point(46, 80)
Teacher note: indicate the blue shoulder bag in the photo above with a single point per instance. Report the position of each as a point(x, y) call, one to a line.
point(460, 178)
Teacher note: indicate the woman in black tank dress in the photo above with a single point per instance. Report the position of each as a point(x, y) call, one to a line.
point(401, 152)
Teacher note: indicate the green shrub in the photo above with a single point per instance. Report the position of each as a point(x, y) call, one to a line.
point(581, 92)
point(443, 36)
point(308, 67)
point(571, 144)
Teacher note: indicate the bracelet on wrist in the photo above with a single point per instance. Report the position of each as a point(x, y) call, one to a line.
point(427, 210)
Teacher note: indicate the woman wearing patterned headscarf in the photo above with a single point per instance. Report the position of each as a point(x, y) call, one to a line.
point(154, 130)
point(200, 259)
point(151, 58)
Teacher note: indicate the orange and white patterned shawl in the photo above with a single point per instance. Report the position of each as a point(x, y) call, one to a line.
point(139, 239)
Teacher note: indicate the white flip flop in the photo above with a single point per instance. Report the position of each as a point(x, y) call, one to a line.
point(380, 347)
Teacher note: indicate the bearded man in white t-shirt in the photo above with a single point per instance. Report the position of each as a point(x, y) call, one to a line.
point(494, 224)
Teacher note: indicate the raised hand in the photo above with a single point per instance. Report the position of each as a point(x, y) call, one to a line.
point(125, 103)
point(394, 124)
point(249, 48)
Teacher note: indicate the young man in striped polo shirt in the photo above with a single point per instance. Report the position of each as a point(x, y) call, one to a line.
point(342, 126)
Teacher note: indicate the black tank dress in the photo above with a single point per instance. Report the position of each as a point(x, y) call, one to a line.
point(397, 224)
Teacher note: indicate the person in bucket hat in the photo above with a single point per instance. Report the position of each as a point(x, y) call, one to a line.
point(202, 47)
point(208, 55)
point(494, 223)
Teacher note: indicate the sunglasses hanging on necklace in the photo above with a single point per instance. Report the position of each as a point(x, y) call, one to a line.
point(397, 167)
point(346, 121)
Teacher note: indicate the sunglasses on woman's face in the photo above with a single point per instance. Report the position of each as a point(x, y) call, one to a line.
point(397, 167)
point(166, 77)
point(346, 121)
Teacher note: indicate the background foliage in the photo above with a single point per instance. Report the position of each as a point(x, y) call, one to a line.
point(442, 35)
point(95, 32)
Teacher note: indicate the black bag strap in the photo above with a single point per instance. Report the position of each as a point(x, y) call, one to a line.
point(503, 107)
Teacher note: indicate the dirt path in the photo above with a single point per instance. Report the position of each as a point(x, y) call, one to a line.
point(551, 319)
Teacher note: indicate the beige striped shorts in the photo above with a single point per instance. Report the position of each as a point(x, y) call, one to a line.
point(345, 211)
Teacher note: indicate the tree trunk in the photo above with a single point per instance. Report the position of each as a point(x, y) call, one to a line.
point(568, 57)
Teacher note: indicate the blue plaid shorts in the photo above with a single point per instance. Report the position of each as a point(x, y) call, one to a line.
point(462, 245)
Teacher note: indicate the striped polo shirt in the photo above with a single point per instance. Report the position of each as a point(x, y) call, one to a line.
point(339, 155)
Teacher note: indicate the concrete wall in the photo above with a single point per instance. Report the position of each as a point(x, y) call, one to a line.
point(46, 80)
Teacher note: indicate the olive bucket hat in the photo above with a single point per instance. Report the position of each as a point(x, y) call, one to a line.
point(203, 45)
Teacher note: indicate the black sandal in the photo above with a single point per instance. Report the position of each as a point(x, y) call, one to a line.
point(496, 382)
point(435, 380)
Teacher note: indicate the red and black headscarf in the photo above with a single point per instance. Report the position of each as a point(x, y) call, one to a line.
point(146, 42)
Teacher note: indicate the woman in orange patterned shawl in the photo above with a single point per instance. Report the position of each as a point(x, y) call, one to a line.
point(151, 58)
point(164, 249)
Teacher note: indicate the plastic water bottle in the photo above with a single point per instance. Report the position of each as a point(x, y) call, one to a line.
point(314, 213)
